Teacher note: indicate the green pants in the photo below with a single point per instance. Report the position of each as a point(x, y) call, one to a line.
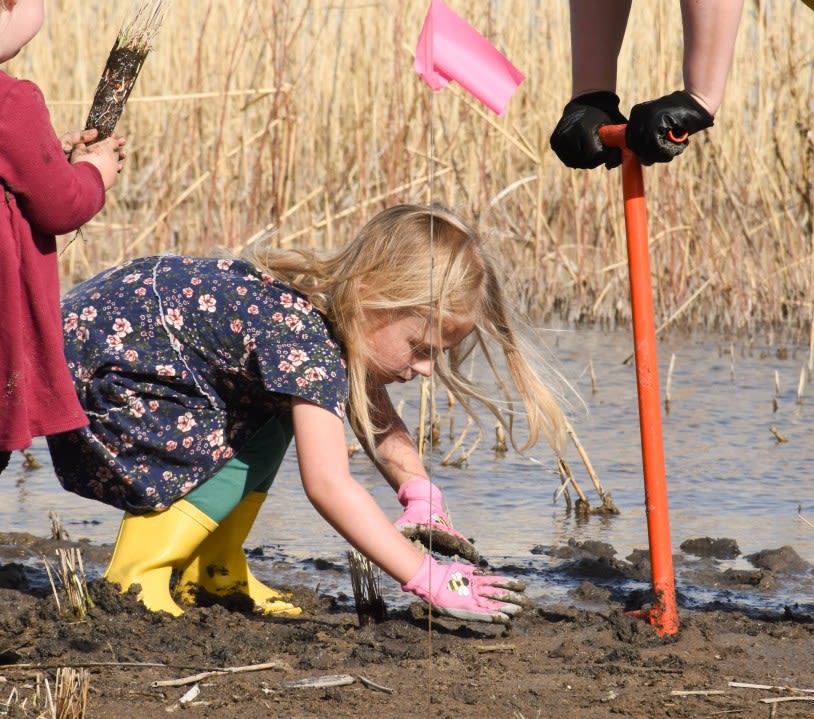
point(252, 469)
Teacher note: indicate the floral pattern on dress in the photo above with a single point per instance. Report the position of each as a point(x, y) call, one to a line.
point(177, 362)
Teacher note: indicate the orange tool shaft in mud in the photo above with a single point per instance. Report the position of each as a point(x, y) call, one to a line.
point(663, 615)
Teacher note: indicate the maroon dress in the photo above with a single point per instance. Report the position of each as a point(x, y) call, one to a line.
point(41, 195)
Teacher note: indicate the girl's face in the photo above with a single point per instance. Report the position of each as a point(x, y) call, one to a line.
point(20, 21)
point(403, 348)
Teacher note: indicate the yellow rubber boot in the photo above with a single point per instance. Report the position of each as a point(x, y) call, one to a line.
point(148, 548)
point(219, 565)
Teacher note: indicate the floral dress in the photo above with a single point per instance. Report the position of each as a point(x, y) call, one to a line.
point(177, 362)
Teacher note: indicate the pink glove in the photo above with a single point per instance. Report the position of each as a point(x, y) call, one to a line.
point(424, 520)
point(459, 591)
point(423, 507)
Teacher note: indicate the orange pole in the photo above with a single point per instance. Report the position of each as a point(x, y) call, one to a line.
point(663, 615)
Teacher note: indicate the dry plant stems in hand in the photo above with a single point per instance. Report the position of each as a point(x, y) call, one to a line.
point(123, 65)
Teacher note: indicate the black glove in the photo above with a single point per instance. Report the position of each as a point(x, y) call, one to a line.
point(649, 123)
point(575, 138)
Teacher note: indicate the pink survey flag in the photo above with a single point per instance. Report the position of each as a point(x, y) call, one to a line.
point(449, 48)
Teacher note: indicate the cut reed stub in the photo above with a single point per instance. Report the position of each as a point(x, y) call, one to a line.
point(123, 66)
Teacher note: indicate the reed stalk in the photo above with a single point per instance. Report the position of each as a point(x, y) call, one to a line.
point(73, 587)
point(71, 693)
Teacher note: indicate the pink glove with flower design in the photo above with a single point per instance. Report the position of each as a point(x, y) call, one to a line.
point(424, 519)
point(461, 591)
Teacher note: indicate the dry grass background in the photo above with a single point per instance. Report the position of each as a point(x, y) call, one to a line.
point(304, 118)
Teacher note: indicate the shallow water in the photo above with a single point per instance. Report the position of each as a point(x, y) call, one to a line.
point(727, 474)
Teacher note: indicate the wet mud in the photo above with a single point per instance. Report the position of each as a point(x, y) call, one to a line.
point(587, 657)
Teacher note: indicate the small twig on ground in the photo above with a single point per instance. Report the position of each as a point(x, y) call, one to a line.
point(376, 687)
point(330, 680)
point(487, 648)
point(216, 672)
point(770, 687)
point(188, 697)
point(695, 692)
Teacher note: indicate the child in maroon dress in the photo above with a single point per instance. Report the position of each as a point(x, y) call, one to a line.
point(48, 186)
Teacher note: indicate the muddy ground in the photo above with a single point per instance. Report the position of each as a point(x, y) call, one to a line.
point(586, 660)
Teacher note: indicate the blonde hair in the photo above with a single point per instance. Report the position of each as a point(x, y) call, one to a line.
point(413, 260)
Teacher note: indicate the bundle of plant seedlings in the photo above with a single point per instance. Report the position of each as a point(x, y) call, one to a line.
point(133, 43)
point(370, 606)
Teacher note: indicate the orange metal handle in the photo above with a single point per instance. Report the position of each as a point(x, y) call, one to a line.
point(664, 614)
point(614, 135)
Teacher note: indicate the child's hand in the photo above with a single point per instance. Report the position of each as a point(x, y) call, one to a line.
point(77, 137)
point(107, 156)
point(458, 590)
point(424, 519)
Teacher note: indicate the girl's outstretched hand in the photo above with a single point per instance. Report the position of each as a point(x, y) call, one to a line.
point(424, 520)
point(460, 591)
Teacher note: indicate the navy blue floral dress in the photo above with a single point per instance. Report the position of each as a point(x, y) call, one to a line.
point(177, 362)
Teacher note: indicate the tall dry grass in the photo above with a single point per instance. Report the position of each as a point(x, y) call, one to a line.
point(304, 118)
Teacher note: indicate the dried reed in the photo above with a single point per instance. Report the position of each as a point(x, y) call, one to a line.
point(73, 587)
point(669, 384)
point(270, 117)
point(71, 693)
point(58, 532)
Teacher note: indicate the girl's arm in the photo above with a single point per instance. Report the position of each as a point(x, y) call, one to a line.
point(456, 589)
point(340, 499)
point(397, 457)
point(425, 517)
